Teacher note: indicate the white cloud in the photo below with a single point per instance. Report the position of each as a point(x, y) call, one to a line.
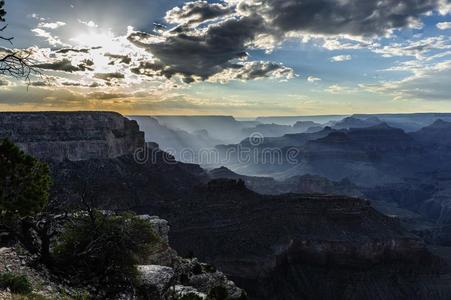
point(444, 25)
point(340, 58)
point(90, 23)
point(337, 89)
point(419, 49)
point(313, 79)
point(444, 7)
point(52, 40)
point(37, 17)
point(427, 83)
point(51, 25)
point(254, 70)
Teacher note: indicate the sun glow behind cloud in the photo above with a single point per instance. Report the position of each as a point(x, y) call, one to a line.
point(240, 53)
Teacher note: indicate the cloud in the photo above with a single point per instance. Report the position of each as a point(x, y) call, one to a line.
point(109, 76)
point(427, 83)
point(202, 53)
point(106, 96)
point(67, 50)
point(196, 50)
point(197, 12)
point(444, 25)
point(4, 82)
point(51, 25)
point(123, 59)
point(154, 69)
point(40, 83)
point(65, 65)
point(254, 70)
point(90, 23)
point(313, 79)
point(420, 49)
point(354, 17)
point(337, 89)
point(52, 40)
point(211, 41)
point(340, 58)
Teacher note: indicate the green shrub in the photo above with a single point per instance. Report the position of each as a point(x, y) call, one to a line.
point(15, 283)
point(190, 296)
point(103, 250)
point(24, 182)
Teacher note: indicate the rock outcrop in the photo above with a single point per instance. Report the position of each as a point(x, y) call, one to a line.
point(170, 276)
point(306, 184)
point(165, 275)
point(58, 136)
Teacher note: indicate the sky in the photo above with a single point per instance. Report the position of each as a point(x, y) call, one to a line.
point(244, 58)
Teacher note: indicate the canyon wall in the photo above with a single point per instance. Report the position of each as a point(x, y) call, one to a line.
point(74, 136)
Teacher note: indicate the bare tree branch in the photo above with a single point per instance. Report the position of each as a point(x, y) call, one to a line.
point(16, 64)
point(9, 39)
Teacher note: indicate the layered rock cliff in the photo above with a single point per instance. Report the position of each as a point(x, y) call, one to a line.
point(58, 136)
point(307, 246)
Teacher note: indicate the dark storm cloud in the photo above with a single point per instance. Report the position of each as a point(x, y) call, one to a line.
point(197, 12)
point(64, 65)
point(354, 17)
point(109, 76)
point(67, 50)
point(262, 69)
point(204, 53)
point(124, 59)
point(153, 70)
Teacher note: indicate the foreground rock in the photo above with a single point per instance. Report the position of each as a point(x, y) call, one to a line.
point(169, 276)
point(163, 275)
point(18, 262)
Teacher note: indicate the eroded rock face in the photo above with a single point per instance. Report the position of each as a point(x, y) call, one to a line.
point(74, 136)
point(306, 246)
point(169, 276)
point(157, 277)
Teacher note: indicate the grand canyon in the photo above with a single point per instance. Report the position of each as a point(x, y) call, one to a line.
point(225, 149)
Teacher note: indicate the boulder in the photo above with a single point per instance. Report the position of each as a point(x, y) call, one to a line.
point(155, 279)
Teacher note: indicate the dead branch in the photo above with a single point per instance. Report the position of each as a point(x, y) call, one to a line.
point(9, 39)
point(18, 65)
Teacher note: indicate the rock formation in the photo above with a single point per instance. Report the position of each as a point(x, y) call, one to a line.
point(58, 136)
point(164, 275)
point(276, 247)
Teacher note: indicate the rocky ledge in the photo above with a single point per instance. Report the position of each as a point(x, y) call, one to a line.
point(163, 275)
point(58, 136)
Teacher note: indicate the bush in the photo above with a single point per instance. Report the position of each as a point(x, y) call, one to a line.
point(190, 296)
point(15, 283)
point(103, 250)
point(24, 182)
